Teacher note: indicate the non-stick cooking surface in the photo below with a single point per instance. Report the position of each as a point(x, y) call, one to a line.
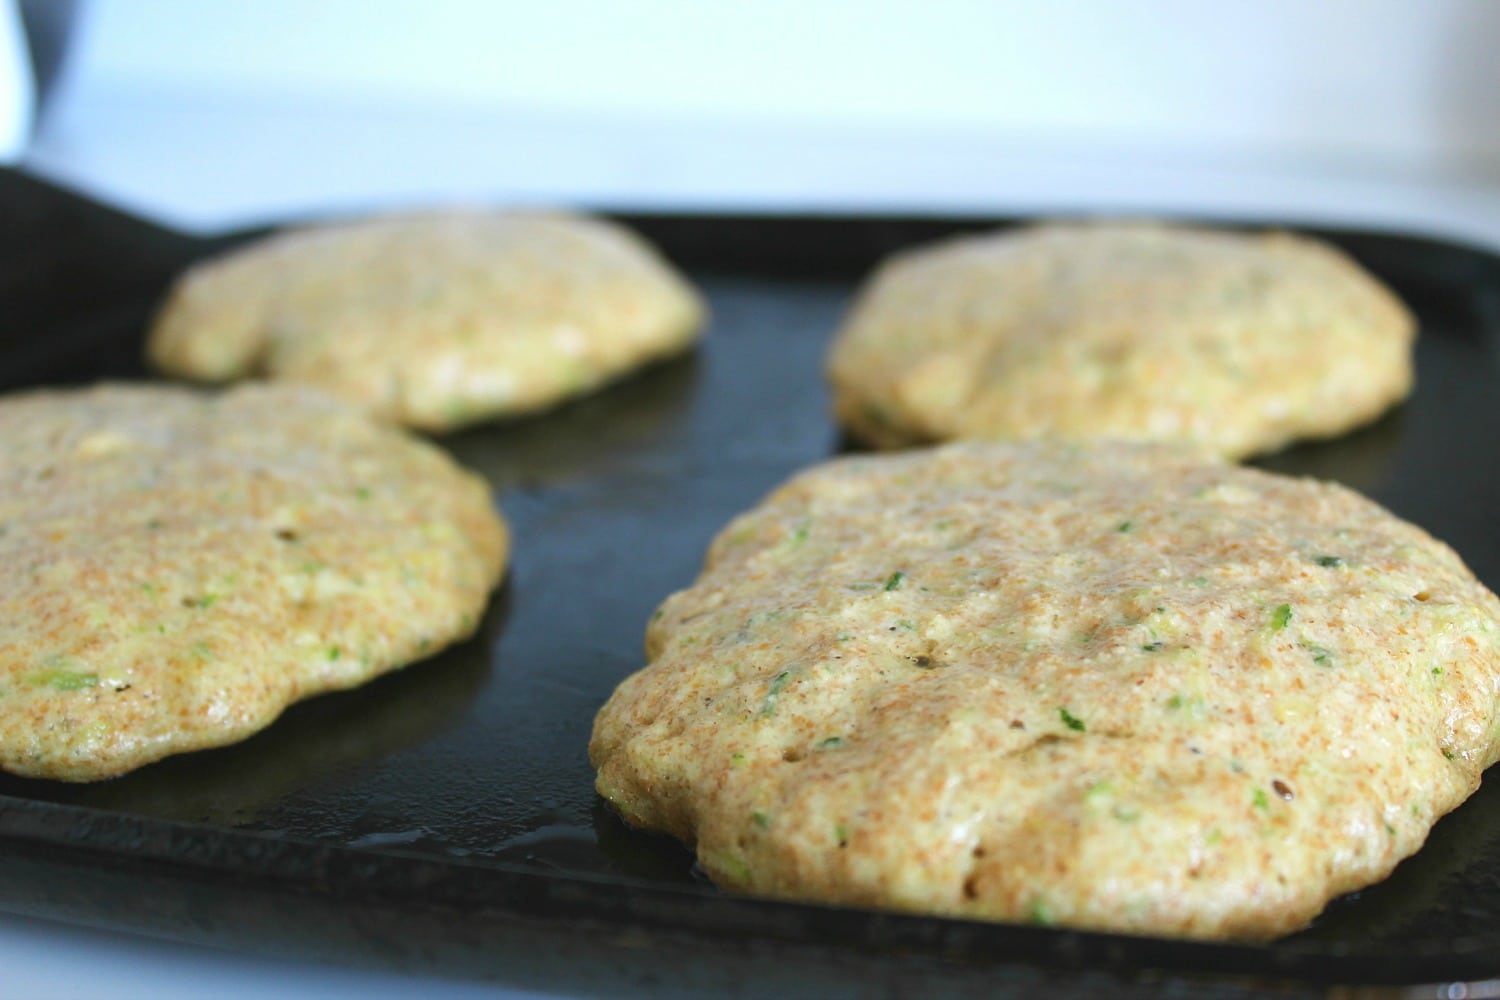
point(445, 817)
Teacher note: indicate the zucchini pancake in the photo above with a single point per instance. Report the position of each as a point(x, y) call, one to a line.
point(177, 567)
point(1126, 687)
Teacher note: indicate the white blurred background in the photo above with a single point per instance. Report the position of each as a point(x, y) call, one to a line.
point(210, 113)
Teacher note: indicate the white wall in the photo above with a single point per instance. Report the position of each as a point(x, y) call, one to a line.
point(16, 96)
point(1407, 82)
point(212, 113)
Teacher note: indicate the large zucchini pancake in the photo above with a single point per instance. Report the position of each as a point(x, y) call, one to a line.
point(1127, 687)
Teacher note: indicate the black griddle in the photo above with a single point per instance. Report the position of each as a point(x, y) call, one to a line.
point(443, 818)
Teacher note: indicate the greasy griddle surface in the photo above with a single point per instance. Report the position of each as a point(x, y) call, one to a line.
point(477, 757)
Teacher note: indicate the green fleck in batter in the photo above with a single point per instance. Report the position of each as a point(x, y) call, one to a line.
point(777, 683)
point(1040, 913)
point(64, 680)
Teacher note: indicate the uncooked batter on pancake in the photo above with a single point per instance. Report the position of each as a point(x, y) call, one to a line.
point(1237, 342)
point(436, 320)
point(177, 567)
point(1126, 687)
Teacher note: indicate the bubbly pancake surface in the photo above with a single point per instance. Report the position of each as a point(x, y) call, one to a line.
point(177, 567)
point(433, 320)
point(1126, 687)
point(1237, 342)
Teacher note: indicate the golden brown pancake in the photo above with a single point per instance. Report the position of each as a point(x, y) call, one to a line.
point(1240, 343)
point(1121, 687)
point(437, 320)
point(177, 567)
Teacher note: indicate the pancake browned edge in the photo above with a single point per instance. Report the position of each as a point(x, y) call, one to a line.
point(1125, 687)
point(434, 320)
point(177, 567)
point(1236, 342)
